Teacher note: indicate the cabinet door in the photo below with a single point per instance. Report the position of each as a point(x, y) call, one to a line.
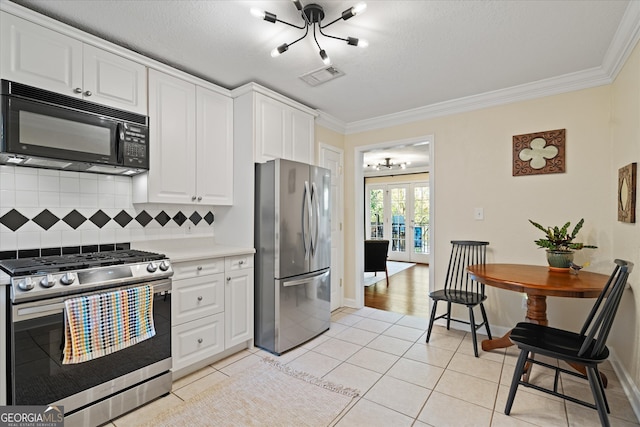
point(37, 56)
point(270, 129)
point(172, 117)
point(214, 124)
point(115, 81)
point(238, 308)
point(302, 134)
point(194, 341)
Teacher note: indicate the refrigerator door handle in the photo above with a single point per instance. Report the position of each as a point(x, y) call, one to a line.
point(305, 280)
point(306, 208)
point(315, 223)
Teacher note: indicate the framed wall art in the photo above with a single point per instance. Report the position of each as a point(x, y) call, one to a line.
point(627, 193)
point(539, 153)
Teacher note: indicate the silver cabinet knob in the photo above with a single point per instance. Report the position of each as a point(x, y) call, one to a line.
point(199, 198)
point(228, 279)
point(199, 267)
point(241, 262)
point(77, 90)
point(193, 198)
point(199, 298)
point(88, 93)
point(199, 340)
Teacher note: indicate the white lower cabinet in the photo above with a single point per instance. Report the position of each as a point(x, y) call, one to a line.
point(211, 309)
point(239, 290)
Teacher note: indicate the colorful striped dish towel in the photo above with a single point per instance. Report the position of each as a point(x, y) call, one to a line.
point(101, 324)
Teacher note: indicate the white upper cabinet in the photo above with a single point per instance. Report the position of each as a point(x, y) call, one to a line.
point(191, 144)
point(37, 56)
point(214, 142)
point(282, 131)
point(113, 80)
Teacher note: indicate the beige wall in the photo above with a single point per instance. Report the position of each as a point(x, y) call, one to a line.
point(625, 136)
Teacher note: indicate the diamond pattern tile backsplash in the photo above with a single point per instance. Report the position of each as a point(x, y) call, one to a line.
point(42, 208)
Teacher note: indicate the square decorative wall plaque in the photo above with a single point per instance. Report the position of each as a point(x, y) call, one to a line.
point(539, 153)
point(627, 193)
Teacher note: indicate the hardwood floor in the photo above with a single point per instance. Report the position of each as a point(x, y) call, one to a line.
point(407, 292)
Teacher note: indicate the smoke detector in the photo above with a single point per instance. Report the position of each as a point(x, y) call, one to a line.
point(321, 75)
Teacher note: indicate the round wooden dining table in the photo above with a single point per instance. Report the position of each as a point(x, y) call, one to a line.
point(538, 282)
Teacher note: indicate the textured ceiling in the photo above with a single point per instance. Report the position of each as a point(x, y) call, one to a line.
point(420, 52)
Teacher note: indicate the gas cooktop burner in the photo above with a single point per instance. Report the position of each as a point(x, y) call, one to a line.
point(55, 263)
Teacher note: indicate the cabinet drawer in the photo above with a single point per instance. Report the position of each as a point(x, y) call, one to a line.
point(239, 262)
point(194, 341)
point(197, 297)
point(186, 270)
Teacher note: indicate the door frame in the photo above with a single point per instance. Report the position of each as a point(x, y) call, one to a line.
point(358, 212)
point(337, 271)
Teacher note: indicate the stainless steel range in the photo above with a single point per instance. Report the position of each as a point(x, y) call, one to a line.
point(95, 391)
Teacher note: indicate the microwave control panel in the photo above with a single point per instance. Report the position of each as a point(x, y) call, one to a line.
point(135, 145)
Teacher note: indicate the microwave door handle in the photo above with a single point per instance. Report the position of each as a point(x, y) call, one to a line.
point(120, 143)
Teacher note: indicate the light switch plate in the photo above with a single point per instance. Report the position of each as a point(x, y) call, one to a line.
point(478, 214)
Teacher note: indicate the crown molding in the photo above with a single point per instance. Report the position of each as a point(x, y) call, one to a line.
point(624, 40)
point(330, 122)
point(552, 86)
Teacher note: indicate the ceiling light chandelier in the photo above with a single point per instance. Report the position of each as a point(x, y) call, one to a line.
point(312, 15)
point(388, 164)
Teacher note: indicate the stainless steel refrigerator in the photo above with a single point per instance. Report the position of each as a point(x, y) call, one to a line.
point(293, 254)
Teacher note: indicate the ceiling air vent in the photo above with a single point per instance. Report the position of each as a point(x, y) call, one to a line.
point(321, 75)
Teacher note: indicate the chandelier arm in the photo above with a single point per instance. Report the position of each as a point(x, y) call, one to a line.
point(300, 27)
point(330, 36)
point(330, 23)
point(314, 36)
point(297, 40)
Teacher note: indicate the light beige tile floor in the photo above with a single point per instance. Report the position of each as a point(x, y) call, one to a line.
point(405, 382)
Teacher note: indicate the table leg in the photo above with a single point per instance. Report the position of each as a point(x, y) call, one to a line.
point(536, 313)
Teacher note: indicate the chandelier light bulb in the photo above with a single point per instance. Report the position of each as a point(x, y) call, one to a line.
point(359, 8)
point(325, 57)
point(279, 50)
point(257, 13)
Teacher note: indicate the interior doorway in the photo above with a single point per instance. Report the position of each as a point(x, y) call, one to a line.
point(359, 212)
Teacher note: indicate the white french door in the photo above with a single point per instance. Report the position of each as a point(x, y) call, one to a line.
point(400, 213)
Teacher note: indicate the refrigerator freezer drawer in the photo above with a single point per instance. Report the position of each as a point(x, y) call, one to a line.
point(299, 311)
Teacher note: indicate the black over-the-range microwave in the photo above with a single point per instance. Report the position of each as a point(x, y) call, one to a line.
point(48, 130)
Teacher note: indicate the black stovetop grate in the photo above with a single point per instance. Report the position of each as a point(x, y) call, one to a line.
point(55, 263)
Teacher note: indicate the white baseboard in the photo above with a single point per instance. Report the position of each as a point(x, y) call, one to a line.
point(628, 385)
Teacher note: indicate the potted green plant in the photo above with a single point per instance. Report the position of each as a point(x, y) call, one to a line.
point(559, 243)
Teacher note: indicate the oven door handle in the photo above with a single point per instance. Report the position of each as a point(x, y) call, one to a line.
point(56, 306)
point(41, 310)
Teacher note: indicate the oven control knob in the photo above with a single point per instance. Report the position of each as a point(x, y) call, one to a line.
point(48, 281)
point(26, 284)
point(152, 267)
point(68, 278)
point(164, 265)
